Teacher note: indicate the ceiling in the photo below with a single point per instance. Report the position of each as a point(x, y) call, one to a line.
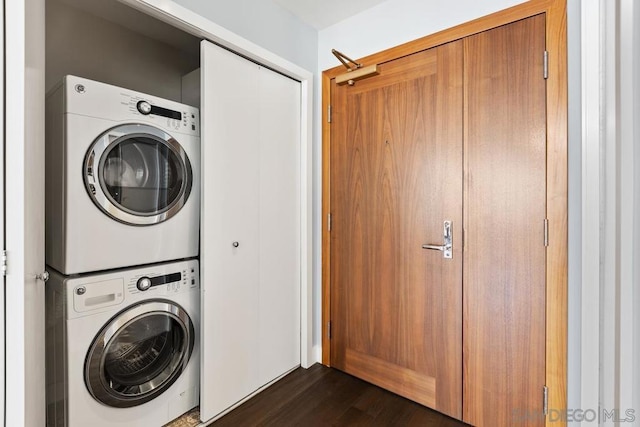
point(321, 14)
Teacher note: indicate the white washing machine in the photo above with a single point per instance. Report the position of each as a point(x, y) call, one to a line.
point(123, 347)
point(122, 178)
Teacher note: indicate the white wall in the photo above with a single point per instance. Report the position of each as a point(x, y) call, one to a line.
point(398, 21)
point(608, 348)
point(264, 23)
point(627, 214)
point(636, 219)
point(87, 46)
point(618, 288)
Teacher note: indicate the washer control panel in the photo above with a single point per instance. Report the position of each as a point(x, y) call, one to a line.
point(102, 292)
point(165, 283)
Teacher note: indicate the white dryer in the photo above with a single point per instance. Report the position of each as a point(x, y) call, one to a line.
point(123, 347)
point(122, 178)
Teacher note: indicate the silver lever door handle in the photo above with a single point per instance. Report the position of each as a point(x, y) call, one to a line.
point(433, 247)
point(447, 237)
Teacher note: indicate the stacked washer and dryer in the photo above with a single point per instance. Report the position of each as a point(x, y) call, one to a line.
point(122, 234)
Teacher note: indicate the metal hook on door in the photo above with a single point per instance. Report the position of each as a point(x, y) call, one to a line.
point(44, 276)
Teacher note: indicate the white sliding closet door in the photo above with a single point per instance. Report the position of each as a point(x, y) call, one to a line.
point(250, 235)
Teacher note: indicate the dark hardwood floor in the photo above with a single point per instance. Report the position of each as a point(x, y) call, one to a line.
point(321, 396)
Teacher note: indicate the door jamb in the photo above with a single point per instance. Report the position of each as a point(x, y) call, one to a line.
point(556, 260)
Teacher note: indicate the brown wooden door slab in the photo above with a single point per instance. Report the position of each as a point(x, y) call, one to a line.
point(396, 173)
point(505, 205)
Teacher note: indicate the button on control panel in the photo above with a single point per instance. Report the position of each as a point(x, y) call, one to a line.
point(144, 107)
point(143, 284)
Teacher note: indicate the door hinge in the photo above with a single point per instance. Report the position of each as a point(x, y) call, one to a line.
point(464, 239)
point(4, 262)
point(545, 65)
point(328, 222)
point(545, 400)
point(329, 329)
point(328, 113)
point(546, 232)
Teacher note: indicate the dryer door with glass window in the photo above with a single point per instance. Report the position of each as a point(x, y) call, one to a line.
point(137, 174)
point(139, 354)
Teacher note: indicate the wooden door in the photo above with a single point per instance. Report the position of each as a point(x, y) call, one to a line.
point(250, 228)
point(505, 205)
point(396, 161)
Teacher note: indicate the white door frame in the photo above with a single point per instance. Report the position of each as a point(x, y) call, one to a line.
point(3, 369)
point(24, 219)
point(190, 22)
point(610, 336)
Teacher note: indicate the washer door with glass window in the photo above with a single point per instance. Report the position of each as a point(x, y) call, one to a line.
point(137, 174)
point(139, 354)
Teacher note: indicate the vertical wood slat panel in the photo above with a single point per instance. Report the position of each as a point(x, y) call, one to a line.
point(557, 210)
point(505, 208)
point(324, 221)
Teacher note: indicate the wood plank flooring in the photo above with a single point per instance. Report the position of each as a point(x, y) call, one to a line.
point(321, 396)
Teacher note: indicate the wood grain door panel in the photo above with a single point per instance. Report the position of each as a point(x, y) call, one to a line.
point(505, 205)
point(396, 159)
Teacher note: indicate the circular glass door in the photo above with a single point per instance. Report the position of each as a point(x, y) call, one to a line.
point(139, 354)
point(137, 174)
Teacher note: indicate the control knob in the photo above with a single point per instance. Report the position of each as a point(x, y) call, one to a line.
point(144, 107)
point(144, 283)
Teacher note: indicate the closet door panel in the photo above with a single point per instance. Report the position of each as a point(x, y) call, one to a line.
point(230, 213)
point(505, 205)
point(250, 238)
point(279, 288)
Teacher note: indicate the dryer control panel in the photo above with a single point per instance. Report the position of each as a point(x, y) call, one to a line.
point(101, 100)
point(163, 112)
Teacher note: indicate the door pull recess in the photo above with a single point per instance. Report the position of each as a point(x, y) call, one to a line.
point(447, 246)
